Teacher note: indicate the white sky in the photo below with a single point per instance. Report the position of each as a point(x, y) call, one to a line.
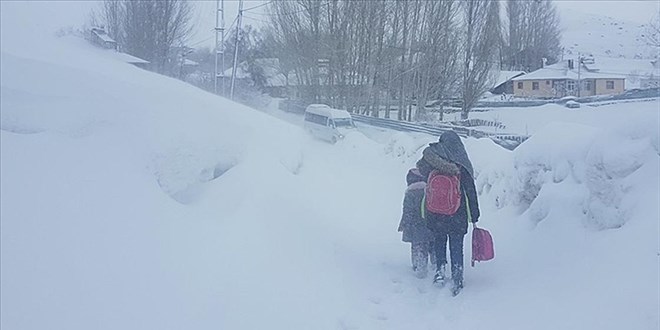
point(48, 14)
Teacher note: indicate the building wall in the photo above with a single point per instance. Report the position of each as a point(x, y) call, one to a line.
point(598, 87)
point(591, 91)
point(545, 88)
point(601, 86)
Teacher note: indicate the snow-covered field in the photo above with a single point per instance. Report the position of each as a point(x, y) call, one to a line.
point(134, 201)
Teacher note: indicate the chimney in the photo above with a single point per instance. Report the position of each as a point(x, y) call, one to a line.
point(570, 65)
point(544, 62)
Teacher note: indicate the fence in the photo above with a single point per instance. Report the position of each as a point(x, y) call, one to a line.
point(509, 141)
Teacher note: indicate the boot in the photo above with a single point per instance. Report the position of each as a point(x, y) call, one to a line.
point(439, 279)
point(457, 279)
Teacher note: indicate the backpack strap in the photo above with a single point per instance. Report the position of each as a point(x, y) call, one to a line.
point(422, 206)
point(467, 206)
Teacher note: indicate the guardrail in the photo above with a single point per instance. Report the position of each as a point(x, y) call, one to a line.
point(509, 141)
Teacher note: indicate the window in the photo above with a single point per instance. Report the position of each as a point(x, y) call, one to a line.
point(586, 85)
point(520, 85)
point(535, 85)
point(609, 84)
point(317, 119)
point(547, 82)
point(343, 122)
point(570, 85)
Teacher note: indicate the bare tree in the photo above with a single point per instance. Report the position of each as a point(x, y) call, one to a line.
point(652, 32)
point(481, 38)
point(148, 29)
point(375, 54)
point(533, 33)
point(437, 67)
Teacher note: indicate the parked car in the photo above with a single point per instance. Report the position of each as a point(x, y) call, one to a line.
point(572, 104)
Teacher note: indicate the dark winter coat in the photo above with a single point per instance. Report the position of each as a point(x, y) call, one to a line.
point(413, 225)
point(431, 160)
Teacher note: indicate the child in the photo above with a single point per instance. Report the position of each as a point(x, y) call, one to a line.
point(413, 226)
point(448, 157)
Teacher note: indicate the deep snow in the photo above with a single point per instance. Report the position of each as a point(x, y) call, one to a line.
point(131, 200)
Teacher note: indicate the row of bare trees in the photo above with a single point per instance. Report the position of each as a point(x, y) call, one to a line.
point(147, 29)
point(369, 56)
point(532, 34)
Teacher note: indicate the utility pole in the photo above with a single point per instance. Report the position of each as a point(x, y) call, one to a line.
point(579, 83)
point(219, 46)
point(238, 30)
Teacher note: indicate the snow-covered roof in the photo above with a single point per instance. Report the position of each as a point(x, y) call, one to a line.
point(130, 58)
point(271, 69)
point(190, 62)
point(560, 70)
point(103, 35)
point(241, 73)
point(624, 66)
point(504, 76)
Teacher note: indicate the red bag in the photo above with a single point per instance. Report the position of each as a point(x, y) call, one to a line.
point(443, 193)
point(482, 245)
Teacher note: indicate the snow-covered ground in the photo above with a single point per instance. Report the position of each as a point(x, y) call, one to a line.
point(134, 201)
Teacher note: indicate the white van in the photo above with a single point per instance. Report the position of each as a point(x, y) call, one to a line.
point(327, 123)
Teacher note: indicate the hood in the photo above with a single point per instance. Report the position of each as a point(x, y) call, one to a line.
point(450, 147)
point(438, 163)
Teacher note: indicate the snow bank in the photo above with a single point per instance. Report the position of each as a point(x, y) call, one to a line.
point(584, 169)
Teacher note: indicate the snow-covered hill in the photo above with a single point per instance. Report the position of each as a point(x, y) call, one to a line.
point(134, 201)
point(603, 36)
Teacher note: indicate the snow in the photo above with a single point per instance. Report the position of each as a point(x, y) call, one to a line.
point(561, 71)
point(135, 201)
point(504, 76)
point(618, 33)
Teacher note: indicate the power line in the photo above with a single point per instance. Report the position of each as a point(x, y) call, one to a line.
point(261, 5)
point(202, 41)
point(305, 9)
point(256, 19)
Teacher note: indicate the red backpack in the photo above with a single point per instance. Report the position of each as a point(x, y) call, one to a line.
point(443, 193)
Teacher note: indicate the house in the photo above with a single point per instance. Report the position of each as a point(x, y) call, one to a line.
point(639, 73)
point(566, 78)
point(99, 37)
point(130, 59)
point(504, 83)
point(275, 82)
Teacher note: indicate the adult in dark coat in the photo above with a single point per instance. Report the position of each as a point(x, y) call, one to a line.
point(414, 226)
point(449, 157)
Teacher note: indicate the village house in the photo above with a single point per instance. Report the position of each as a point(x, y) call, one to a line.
point(567, 79)
point(102, 39)
point(274, 81)
point(639, 73)
point(504, 83)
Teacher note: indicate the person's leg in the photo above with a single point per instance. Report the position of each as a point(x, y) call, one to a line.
point(440, 258)
point(417, 254)
point(456, 252)
point(431, 247)
point(421, 257)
